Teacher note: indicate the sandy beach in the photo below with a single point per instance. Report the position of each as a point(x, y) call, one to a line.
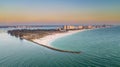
point(47, 40)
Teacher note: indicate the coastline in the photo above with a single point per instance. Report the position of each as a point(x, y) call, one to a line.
point(44, 37)
point(47, 40)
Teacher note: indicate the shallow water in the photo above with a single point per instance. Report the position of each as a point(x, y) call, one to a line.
point(100, 48)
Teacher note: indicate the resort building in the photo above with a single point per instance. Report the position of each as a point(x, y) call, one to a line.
point(72, 27)
point(69, 27)
point(80, 27)
point(91, 27)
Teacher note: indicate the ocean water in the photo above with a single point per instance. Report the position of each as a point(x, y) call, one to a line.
point(99, 48)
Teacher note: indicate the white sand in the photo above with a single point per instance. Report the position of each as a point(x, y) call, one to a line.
point(47, 40)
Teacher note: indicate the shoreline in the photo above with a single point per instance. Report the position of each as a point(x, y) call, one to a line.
point(45, 37)
point(47, 40)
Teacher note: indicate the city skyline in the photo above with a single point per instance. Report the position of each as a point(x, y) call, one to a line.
point(59, 12)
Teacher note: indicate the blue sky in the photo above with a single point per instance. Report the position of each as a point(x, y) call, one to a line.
point(66, 11)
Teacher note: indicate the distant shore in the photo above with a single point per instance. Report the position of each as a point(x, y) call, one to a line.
point(47, 40)
point(45, 37)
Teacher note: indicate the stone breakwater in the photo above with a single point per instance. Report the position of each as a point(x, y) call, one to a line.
point(52, 48)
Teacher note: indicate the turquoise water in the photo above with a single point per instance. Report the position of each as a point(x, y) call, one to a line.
point(99, 48)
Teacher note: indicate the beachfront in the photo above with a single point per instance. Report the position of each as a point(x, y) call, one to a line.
point(45, 37)
point(47, 40)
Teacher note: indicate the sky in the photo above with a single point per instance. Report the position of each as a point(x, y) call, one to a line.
point(59, 12)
